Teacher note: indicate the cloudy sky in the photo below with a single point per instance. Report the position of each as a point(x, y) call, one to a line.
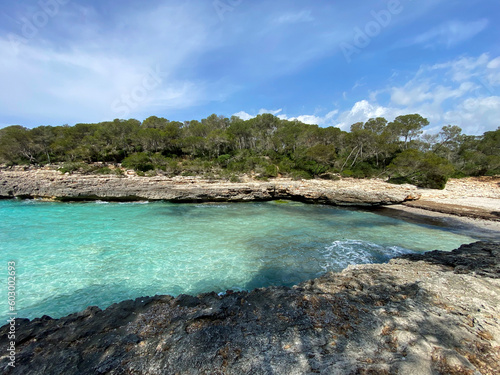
point(323, 62)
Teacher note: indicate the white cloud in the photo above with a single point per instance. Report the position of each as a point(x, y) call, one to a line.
point(361, 112)
point(102, 72)
point(306, 119)
point(494, 64)
point(313, 119)
point(243, 115)
point(410, 93)
point(459, 92)
point(451, 33)
point(462, 68)
point(304, 16)
point(462, 92)
point(82, 86)
point(273, 112)
point(476, 115)
point(493, 77)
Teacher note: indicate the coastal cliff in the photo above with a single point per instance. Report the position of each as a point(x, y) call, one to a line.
point(51, 184)
point(431, 313)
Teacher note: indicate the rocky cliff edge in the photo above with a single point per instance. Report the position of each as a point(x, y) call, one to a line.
point(51, 184)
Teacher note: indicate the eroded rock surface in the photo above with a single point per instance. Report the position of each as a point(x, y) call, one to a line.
point(41, 183)
point(437, 313)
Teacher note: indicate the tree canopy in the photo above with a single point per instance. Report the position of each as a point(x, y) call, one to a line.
point(265, 146)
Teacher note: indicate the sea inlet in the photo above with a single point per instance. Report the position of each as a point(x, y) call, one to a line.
point(72, 255)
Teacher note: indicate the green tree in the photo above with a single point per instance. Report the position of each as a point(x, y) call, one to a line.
point(489, 145)
point(17, 146)
point(43, 137)
point(155, 122)
point(408, 127)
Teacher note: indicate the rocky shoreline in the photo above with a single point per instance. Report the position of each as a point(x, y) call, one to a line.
point(51, 184)
point(432, 313)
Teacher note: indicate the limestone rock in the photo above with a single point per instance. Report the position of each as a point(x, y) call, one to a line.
point(52, 184)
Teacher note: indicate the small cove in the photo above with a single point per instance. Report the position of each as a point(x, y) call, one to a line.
point(73, 255)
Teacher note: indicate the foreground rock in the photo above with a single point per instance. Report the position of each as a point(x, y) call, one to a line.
point(51, 184)
point(437, 313)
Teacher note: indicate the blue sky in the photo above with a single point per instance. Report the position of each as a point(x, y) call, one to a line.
point(324, 62)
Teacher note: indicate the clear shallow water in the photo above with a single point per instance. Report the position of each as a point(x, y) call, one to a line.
point(72, 255)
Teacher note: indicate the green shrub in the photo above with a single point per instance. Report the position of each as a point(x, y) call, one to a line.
point(234, 178)
point(421, 169)
point(140, 161)
point(363, 170)
point(347, 173)
point(72, 167)
point(104, 170)
point(223, 159)
point(310, 166)
point(271, 171)
point(286, 165)
point(298, 174)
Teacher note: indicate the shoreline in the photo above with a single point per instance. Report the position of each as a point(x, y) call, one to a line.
point(477, 198)
point(50, 184)
point(482, 229)
point(435, 312)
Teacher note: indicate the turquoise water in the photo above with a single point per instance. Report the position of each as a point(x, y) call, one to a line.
point(72, 255)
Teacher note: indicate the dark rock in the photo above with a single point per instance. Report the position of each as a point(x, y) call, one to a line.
point(416, 314)
point(482, 258)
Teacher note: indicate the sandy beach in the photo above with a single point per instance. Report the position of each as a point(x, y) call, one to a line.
point(470, 203)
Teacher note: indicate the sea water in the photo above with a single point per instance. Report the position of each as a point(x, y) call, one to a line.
point(72, 255)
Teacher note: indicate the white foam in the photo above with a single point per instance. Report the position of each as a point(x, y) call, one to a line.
point(341, 254)
point(135, 202)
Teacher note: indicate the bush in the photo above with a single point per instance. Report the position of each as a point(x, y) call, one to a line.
point(433, 181)
point(421, 169)
point(72, 167)
point(197, 167)
point(104, 170)
point(312, 167)
point(286, 165)
point(234, 178)
point(140, 161)
point(298, 174)
point(347, 173)
point(223, 159)
point(271, 171)
point(363, 170)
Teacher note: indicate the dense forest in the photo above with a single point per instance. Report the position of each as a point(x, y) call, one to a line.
point(264, 146)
